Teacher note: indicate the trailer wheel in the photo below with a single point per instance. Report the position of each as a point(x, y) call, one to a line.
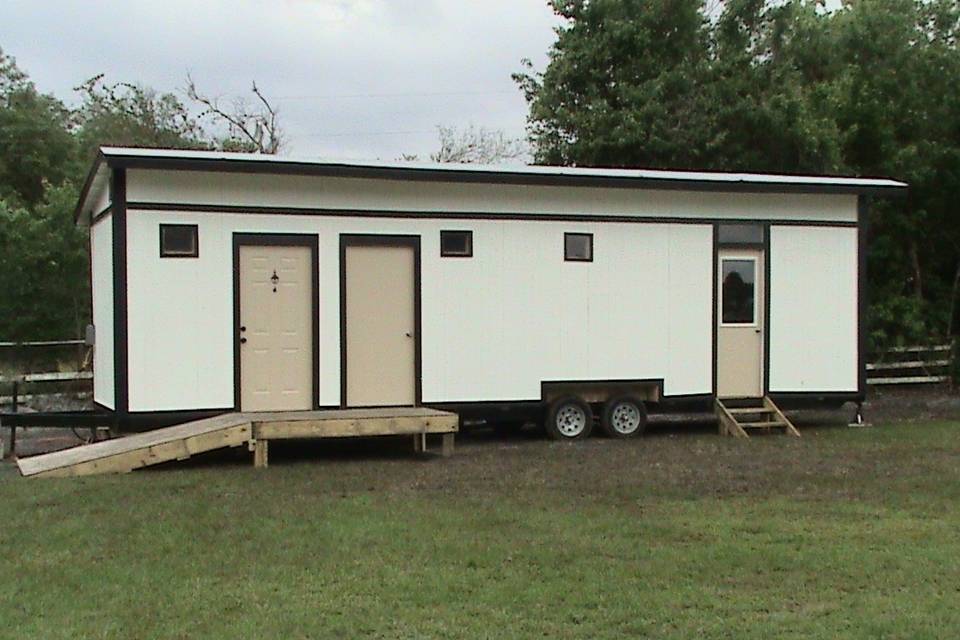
point(569, 418)
point(624, 417)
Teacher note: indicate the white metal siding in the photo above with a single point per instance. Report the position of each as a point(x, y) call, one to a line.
point(813, 309)
point(101, 198)
point(101, 269)
point(418, 196)
point(493, 326)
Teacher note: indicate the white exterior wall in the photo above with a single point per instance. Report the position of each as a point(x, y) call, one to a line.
point(101, 272)
point(447, 197)
point(813, 309)
point(493, 327)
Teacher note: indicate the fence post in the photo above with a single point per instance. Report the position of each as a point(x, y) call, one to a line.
point(14, 402)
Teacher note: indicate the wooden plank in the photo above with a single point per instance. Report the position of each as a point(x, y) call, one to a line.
point(910, 364)
point(43, 343)
point(109, 448)
point(789, 429)
point(335, 414)
point(78, 395)
point(730, 425)
point(57, 376)
point(51, 376)
point(179, 442)
point(155, 454)
point(747, 410)
point(919, 349)
point(908, 380)
point(446, 449)
point(355, 427)
point(260, 453)
point(419, 443)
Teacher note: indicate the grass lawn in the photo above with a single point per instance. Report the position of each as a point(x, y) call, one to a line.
point(845, 533)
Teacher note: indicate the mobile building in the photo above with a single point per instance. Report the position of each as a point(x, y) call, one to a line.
point(229, 282)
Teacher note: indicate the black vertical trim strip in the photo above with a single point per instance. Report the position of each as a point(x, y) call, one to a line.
point(383, 240)
point(766, 308)
point(863, 208)
point(715, 319)
point(309, 240)
point(236, 323)
point(118, 205)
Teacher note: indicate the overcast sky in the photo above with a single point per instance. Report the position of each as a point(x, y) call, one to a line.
point(353, 78)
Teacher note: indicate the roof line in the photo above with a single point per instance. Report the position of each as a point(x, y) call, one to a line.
point(189, 160)
point(634, 178)
point(87, 184)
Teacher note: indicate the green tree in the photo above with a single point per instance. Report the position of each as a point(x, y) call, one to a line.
point(623, 87)
point(126, 114)
point(868, 89)
point(36, 147)
point(44, 272)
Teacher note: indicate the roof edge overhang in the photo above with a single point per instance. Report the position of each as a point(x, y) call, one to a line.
point(169, 160)
point(81, 206)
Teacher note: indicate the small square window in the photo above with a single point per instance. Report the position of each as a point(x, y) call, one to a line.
point(456, 244)
point(179, 241)
point(578, 247)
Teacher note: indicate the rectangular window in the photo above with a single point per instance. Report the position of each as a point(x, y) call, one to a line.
point(740, 234)
point(179, 241)
point(739, 298)
point(456, 244)
point(578, 247)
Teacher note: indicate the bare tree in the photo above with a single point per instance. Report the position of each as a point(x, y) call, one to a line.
point(477, 145)
point(251, 125)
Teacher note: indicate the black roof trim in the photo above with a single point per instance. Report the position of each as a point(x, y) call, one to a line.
point(116, 158)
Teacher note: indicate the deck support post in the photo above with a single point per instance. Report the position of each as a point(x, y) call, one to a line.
point(420, 443)
point(447, 448)
point(260, 453)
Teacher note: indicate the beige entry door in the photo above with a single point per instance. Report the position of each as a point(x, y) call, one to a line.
point(380, 322)
point(275, 331)
point(740, 323)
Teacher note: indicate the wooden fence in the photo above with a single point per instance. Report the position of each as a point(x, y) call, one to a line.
point(927, 364)
point(59, 361)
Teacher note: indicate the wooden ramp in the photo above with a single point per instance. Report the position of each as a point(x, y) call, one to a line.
point(254, 430)
point(738, 417)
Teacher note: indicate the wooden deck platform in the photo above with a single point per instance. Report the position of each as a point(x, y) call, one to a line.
point(255, 430)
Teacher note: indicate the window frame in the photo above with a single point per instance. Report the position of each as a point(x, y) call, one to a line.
point(195, 230)
point(756, 299)
point(588, 236)
point(469, 235)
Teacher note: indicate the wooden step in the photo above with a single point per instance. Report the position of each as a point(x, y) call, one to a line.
point(762, 425)
point(748, 410)
point(764, 416)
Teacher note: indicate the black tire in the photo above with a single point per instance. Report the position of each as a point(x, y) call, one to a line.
point(624, 417)
point(569, 418)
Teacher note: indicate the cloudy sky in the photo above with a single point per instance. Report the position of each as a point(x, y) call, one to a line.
point(353, 78)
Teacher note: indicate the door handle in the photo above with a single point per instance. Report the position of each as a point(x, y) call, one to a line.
point(408, 334)
point(243, 340)
point(242, 329)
